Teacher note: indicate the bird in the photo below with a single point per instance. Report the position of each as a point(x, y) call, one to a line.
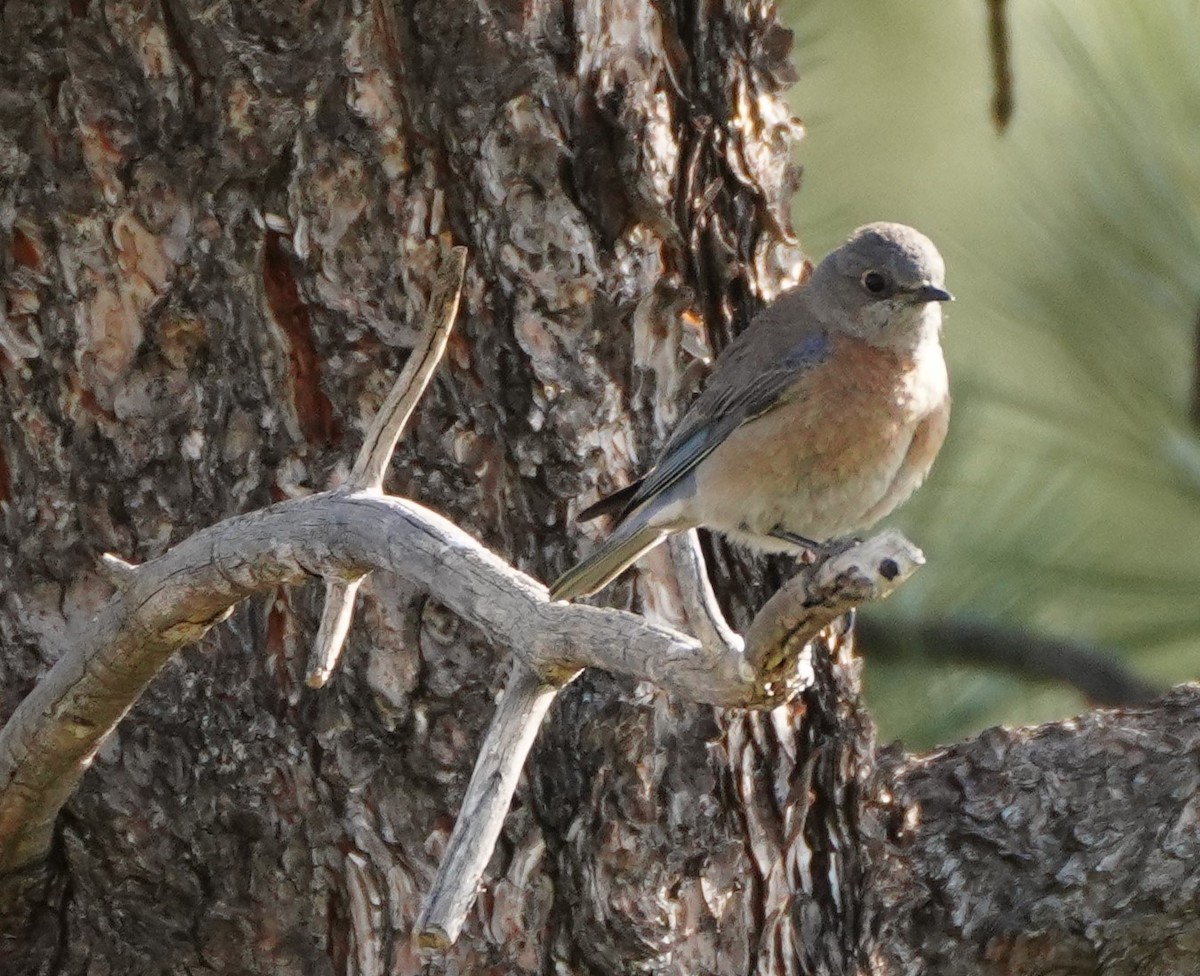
point(816, 422)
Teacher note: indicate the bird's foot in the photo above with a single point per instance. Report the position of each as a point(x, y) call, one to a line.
point(808, 549)
point(811, 550)
point(792, 538)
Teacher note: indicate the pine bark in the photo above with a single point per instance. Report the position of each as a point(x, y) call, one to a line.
point(219, 224)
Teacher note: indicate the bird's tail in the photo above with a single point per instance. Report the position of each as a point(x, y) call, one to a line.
point(623, 547)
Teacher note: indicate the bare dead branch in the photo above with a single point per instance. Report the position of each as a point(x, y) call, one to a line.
point(337, 613)
point(700, 607)
point(118, 572)
point(812, 600)
point(173, 600)
point(384, 434)
point(1094, 671)
point(998, 48)
point(376, 452)
point(527, 696)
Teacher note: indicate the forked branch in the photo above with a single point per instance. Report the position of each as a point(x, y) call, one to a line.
point(173, 600)
point(376, 453)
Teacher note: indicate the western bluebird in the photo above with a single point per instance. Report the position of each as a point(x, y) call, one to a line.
point(818, 420)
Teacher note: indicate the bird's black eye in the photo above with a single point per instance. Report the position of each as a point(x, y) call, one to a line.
point(874, 282)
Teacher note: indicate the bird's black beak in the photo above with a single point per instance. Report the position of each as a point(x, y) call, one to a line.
point(931, 293)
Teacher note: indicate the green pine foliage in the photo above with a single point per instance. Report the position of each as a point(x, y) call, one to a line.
point(1067, 498)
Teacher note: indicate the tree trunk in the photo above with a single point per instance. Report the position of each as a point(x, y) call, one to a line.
point(222, 222)
point(219, 224)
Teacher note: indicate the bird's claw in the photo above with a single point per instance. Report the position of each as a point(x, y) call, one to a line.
point(811, 550)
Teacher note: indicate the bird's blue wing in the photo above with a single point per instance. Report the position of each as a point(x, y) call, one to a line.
point(723, 407)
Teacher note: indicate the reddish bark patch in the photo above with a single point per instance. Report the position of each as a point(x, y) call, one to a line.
point(87, 399)
point(312, 406)
point(25, 251)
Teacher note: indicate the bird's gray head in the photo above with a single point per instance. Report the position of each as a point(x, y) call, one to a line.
point(884, 285)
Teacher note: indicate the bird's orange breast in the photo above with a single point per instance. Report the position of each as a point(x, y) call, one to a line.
point(849, 440)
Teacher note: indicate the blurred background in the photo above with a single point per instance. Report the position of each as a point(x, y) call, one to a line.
point(1066, 503)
